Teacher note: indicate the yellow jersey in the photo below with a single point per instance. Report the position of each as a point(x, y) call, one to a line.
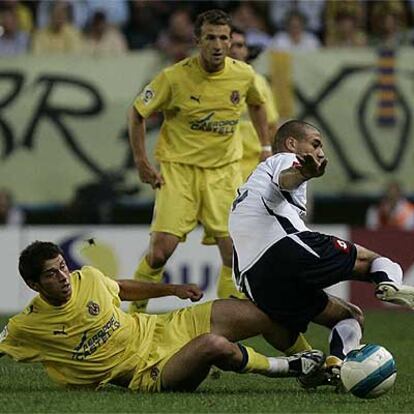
point(201, 111)
point(88, 341)
point(251, 144)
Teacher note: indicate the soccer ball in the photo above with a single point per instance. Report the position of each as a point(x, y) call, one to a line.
point(368, 371)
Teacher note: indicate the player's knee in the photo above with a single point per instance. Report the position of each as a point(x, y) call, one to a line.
point(364, 260)
point(157, 257)
point(216, 347)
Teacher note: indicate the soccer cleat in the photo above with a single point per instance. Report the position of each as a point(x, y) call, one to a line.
point(329, 374)
point(305, 363)
point(400, 295)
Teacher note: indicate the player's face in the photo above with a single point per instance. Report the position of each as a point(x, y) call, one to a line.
point(54, 281)
point(311, 144)
point(214, 44)
point(238, 49)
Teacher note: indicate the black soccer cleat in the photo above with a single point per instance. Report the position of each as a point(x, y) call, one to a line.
point(305, 363)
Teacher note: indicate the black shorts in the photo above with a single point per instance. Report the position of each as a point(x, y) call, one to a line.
point(287, 282)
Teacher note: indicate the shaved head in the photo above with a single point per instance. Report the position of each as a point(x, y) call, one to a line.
point(294, 128)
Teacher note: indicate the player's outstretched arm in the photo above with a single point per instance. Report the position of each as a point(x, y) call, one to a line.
point(308, 167)
point(136, 131)
point(133, 290)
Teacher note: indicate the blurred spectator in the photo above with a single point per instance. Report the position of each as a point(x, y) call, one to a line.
point(117, 12)
point(177, 41)
point(23, 14)
point(393, 211)
point(146, 21)
point(388, 20)
point(247, 17)
point(311, 10)
point(12, 40)
point(346, 32)
point(295, 38)
point(60, 36)
point(340, 18)
point(103, 39)
point(9, 214)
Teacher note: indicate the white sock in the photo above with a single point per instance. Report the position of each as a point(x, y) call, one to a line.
point(278, 367)
point(385, 270)
point(345, 336)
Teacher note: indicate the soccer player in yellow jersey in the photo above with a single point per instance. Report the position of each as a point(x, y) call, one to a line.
point(252, 147)
point(75, 327)
point(199, 149)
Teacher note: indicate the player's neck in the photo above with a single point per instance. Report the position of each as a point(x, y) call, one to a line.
point(208, 67)
point(54, 301)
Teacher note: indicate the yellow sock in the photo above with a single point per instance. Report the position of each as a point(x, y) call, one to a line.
point(226, 287)
point(300, 345)
point(256, 363)
point(145, 273)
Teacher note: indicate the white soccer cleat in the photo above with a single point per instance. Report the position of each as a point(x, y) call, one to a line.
point(400, 295)
point(305, 363)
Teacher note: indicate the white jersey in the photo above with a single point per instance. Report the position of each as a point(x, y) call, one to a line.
point(263, 213)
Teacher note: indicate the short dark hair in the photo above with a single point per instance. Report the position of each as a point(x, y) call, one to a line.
point(293, 128)
point(33, 257)
point(214, 16)
point(238, 30)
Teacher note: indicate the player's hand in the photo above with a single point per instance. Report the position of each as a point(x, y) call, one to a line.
point(265, 154)
point(310, 167)
point(148, 174)
point(188, 291)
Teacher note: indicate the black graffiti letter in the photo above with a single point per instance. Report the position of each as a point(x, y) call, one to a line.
point(55, 114)
point(7, 133)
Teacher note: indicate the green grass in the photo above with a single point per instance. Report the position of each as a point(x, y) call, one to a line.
point(26, 388)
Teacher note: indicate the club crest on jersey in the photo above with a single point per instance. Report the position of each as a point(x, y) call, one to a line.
point(93, 308)
point(147, 95)
point(341, 245)
point(235, 97)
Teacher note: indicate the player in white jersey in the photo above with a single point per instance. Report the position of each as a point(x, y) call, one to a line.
point(282, 266)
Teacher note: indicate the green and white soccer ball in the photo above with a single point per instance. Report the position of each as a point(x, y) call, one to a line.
point(368, 371)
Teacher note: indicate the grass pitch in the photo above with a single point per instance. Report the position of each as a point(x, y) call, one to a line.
point(25, 388)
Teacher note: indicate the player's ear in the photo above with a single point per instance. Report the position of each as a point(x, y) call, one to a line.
point(197, 40)
point(33, 285)
point(291, 144)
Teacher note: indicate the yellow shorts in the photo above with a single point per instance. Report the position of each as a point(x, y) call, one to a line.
point(169, 333)
point(192, 194)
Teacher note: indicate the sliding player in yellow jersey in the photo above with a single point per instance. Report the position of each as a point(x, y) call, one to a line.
point(76, 329)
point(252, 147)
point(199, 149)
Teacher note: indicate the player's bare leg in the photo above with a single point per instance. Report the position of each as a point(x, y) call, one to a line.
point(225, 285)
point(386, 274)
point(185, 370)
point(150, 269)
point(346, 322)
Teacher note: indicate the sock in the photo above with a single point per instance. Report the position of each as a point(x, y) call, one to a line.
point(256, 363)
point(385, 270)
point(344, 337)
point(300, 345)
point(226, 287)
point(145, 273)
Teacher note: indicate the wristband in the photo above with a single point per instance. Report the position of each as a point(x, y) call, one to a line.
point(266, 148)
